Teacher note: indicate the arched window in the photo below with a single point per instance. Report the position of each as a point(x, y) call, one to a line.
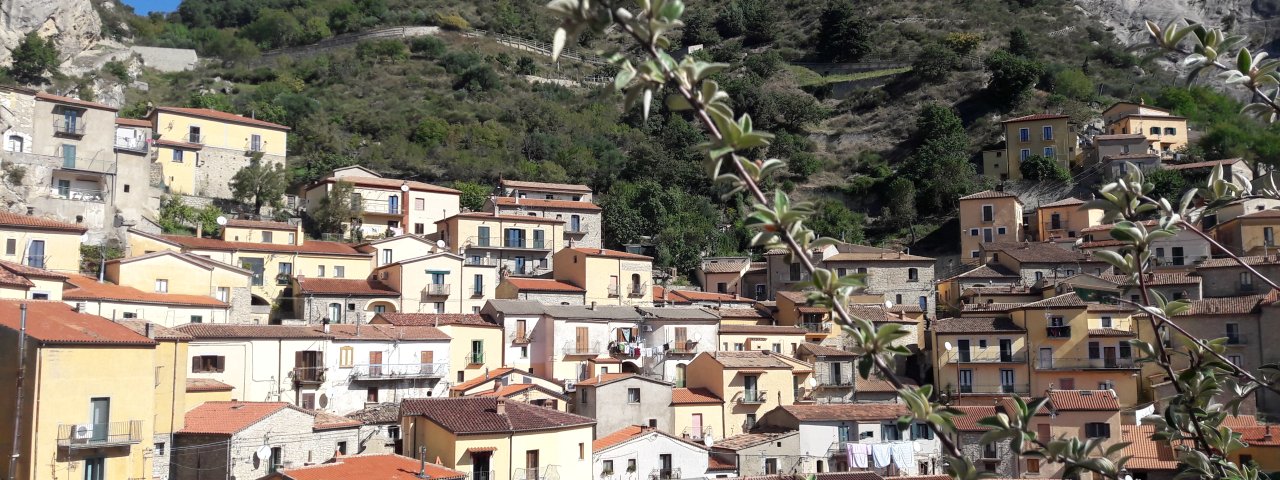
point(680, 375)
point(636, 288)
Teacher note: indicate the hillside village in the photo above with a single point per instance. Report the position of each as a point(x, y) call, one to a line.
point(507, 343)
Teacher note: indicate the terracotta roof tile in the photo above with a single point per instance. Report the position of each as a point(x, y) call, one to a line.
point(511, 218)
point(381, 413)
point(223, 116)
point(470, 415)
point(748, 359)
point(1066, 300)
point(1224, 306)
point(695, 296)
point(876, 313)
point(1110, 332)
point(207, 385)
point(748, 440)
point(606, 379)
point(543, 285)
point(344, 286)
point(1037, 116)
point(1261, 435)
point(178, 144)
point(824, 351)
point(622, 435)
point(159, 332)
point(383, 467)
point(694, 396)
point(310, 247)
point(1147, 454)
point(11, 278)
point(761, 330)
point(535, 186)
point(436, 319)
point(989, 307)
point(1249, 260)
point(56, 323)
point(49, 97)
point(987, 271)
point(603, 252)
point(1207, 164)
point(877, 384)
point(1155, 279)
point(969, 421)
point(751, 313)
point(977, 325)
point(261, 224)
point(725, 265)
point(14, 220)
point(989, 194)
point(1120, 136)
point(388, 183)
point(85, 288)
point(384, 332)
point(544, 203)
point(1083, 400)
point(1038, 252)
point(716, 464)
point(227, 418)
point(133, 122)
point(493, 374)
point(329, 421)
point(847, 411)
point(231, 330)
point(1066, 202)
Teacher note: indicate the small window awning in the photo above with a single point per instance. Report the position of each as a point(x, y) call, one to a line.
point(445, 272)
point(482, 449)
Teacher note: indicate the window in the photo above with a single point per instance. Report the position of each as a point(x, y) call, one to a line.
point(439, 307)
point(738, 347)
point(342, 446)
point(267, 237)
point(339, 271)
point(208, 364)
point(1024, 154)
point(989, 450)
point(795, 272)
point(966, 381)
point(777, 348)
point(1097, 430)
point(988, 213)
point(1024, 134)
point(159, 448)
point(371, 395)
point(335, 312)
point(1048, 153)
point(419, 204)
point(277, 459)
point(1155, 130)
point(1094, 350)
point(1269, 236)
point(913, 275)
point(177, 156)
point(419, 229)
point(608, 467)
point(222, 294)
point(162, 285)
point(584, 396)
point(1007, 383)
point(286, 271)
point(1046, 132)
point(722, 287)
point(386, 256)
point(1236, 360)
point(95, 468)
point(921, 431)
point(633, 395)
point(478, 285)
point(37, 296)
point(10, 246)
point(770, 466)
point(1106, 322)
point(1246, 279)
point(35, 254)
point(1039, 276)
point(1033, 465)
point(582, 451)
point(1001, 230)
point(973, 232)
point(1170, 131)
point(889, 432)
point(346, 355)
point(197, 319)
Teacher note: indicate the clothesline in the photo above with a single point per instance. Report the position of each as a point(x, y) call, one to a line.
point(881, 455)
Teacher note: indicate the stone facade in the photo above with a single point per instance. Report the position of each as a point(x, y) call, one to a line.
point(589, 234)
point(292, 428)
point(314, 309)
point(1225, 281)
point(215, 167)
point(160, 460)
point(610, 405)
point(831, 390)
point(1002, 464)
point(241, 301)
point(39, 192)
point(554, 298)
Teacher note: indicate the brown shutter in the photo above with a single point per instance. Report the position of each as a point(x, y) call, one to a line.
point(582, 339)
point(196, 364)
point(375, 358)
point(621, 336)
point(1042, 431)
point(222, 364)
point(299, 360)
point(319, 360)
point(682, 335)
point(428, 357)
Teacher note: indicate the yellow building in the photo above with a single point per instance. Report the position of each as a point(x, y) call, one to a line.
point(172, 386)
point(388, 204)
point(1166, 133)
point(990, 216)
point(440, 283)
point(1046, 135)
point(41, 243)
point(696, 413)
point(22, 282)
point(1063, 220)
point(184, 274)
point(995, 163)
point(980, 355)
point(794, 311)
point(476, 346)
point(88, 394)
point(199, 149)
point(1079, 345)
point(508, 440)
point(520, 245)
point(610, 277)
point(750, 382)
point(201, 390)
point(775, 338)
point(1082, 414)
point(119, 302)
point(1249, 234)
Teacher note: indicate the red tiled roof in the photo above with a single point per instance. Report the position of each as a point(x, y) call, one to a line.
point(232, 330)
point(178, 144)
point(534, 186)
point(847, 411)
point(1066, 202)
point(761, 329)
point(49, 97)
point(622, 435)
point(694, 296)
point(207, 385)
point(384, 332)
point(715, 464)
point(987, 271)
point(317, 247)
point(510, 218)
point(329, 421)
point(345, 286)
point(261, 224)
point(1038, 116)
point(471, 415)
point(1110, 332)
point(389, 183)
point(741, 313)
point(219, 115)
point(725, 265)
point(133, 122)
point(85, 288)
point(56, 323)
point(436, 319)
point(1037, 252)
point(506, 391)
point(383, 467)
point(1207, 164)
point(29, 272)
point(748, 359)
point(1120, 136)
point(11, 278)
point(493, 374)
point(693, 396)
point(1147, 454)
point(158, 332)
point(1224, 306)
point(1230, 262)
point(969, 421)
point(1083, 400)
point(543, 285)
point(544, 203)
point(14, 220)
point(602, 252)
point(876, 384)
point(824, 351)
point(227, 418)
point(605, 379)
point(989, 194)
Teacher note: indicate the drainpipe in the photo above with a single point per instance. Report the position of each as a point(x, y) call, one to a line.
point(17, 412)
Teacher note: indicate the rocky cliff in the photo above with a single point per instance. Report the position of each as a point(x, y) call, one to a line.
point(74, 25)
point(1258, 18)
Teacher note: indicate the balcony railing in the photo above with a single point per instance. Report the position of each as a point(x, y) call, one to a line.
point(696, 433)
point(88, 164)
point(637, 289)
point(482, 261)
point(78, 194)
point(436, 290)
point(1236, 338)
point(548, 472)
point(828, 382)
point(1077, 363)
point(507, 242)
point(994, 388)
point(91, 435)
point(38, 261)
point(574, 348)
point(986, 357)
point(521, 338)
point(815, 327)
point(396, 371)
point(475, 358)
point(133, 144)
point(578, 230)
point(64, 127)
point(687, 347)
point(1063, 331)
point(308, 375)
point(381, 207)
point(753, 397)
point(665, 474)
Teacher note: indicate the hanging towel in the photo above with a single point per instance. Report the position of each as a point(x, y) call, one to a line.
point(858, 454)
point(880, 452)
point(848, 451)
point(904, 456)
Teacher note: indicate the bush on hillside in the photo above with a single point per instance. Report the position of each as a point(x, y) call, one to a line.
point(934, 63)
point(452, 21)
point(844, 35)
point(1073, 83)
point(430, 47)
point(962, 43)
point(382, 51)
point(1011, 76)
point(33, 58)
point(1041, 169)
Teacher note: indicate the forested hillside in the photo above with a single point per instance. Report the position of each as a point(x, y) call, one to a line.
point(885, 152)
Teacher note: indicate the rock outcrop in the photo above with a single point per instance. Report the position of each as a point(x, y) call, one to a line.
point(1257, 18)
point(73, 25)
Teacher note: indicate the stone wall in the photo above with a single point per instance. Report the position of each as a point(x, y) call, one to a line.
point(1004, 463)
point(892, 279)
point(832, 394)
point(37, 191)
point(160, 461)
point(167, 59)
point(216, 166)
point(549, 298)
point(1225, 281)
point(240, 312)
point(314, 309)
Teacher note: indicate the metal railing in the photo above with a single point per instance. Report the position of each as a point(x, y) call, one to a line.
point(78, 194)
point(37, 261)
point(1063, 331)
point(825, 381)
point(91, 435)
point(195, 138)
point(507, 242)
point(64, 127)
point(475, 358)
point(986, 357)
point(697, 434)
point(687, 347)
point(637, 289)
point(394, 371)
point(133, 144)
point(613, 290)
point(753, 397)
point(548, 472)
point(815, 327)
point(380, 206)
point(590, 348)
point(665, 474)
point(481, 261)
point(308, 375)
point(88, 164)
point(1236, 338)
point(436, 290)
point(521, 338)
point(1075, 363)
point(578, 230)
point(994, 388)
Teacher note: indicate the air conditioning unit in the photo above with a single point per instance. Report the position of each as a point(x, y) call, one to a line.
point(82, 432)
point(570, 386)
point(647, 328)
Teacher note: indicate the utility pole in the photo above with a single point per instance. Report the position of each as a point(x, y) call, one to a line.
point(17, 413)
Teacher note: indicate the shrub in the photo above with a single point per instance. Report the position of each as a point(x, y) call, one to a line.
point(429, 47)
point(1011, 76)
point(382, 51)
point(33, 58)
point(844, 36)
point(479, 78)
point(118, 69)
point(526, 66)
point(803, 164)
point(934, 63)
point(763, 65)
point(458, 62)
point(452, 21)
point(962, 43)
point(1073, 83)
point(1042, 169)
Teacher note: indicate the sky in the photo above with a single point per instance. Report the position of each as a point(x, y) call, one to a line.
point(144, 7)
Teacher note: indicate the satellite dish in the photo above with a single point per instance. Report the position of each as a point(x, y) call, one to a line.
point(263, 452)
point(813, 382)
point(697, 337)
point(222, 220)
point(440, 244)
point(888, 304)
point(947, 346)
point(404, 187)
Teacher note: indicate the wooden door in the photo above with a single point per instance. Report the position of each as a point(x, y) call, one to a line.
point(531, 464)
point(428, 361)
point(375, 364)
point(682, 339)
point(581, 340)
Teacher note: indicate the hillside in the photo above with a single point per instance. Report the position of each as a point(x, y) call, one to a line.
point(842, 84)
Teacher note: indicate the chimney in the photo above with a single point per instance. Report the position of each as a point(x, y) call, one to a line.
point(593, 305)
point(150, 330)
point(501, 407)
point(326, 325)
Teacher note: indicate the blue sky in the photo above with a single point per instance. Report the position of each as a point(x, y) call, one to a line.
point(146, 6)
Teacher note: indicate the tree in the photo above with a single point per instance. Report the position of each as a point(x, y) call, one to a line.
point(831, 218)
point(843, 34)
point(1168, 183)
point(33, 58)
point(473, 194)
point(900, 202)
point(1011, 76)
point(430, 47)
point(1073, 83)
point(1041, 169)
point(260, 183)
point(962, 43)
point(940, 167)
point(1019, 44)
point(934, 63)
point(699, 27)
point(337, 208)
point(732, 21)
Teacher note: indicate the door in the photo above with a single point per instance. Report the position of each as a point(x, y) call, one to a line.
point(1006, 381)
point(580, 342)
point(575, 223)
point(665, 461)
point(68, 156)
point(428, 361)
point(680, 371)
point(966, 381)
point(335, 313)
point(480, 465)
point(836, 374)
point(750, 391)
point(1109, 357)
point(482, 236)
point(520, 265)
point(393, 204)
point(682, 339)
point(100, 417)
point(35, 254)
point(1006, 350)
point(70, 119)
point(95, 469)
point(515, 238)
point(375, 364)
point(1055, 222)
point(531, 464)
point(1046, 358)
point(695, 426)
point(987, 236)
point(256, 266)
point(1178, 256)
point(538, 238)
point(521, 332)
point(963, 346)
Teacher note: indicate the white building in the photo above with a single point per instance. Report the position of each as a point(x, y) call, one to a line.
point(677, 335)
point(375, 364)
point(637, 452)
point(520, 320)
point(827, 430)
point(264, 363)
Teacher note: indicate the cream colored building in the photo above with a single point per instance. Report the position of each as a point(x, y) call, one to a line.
point(183, 273)
point(199, 150)
point(980, 355)
point(609, 276)
point(519, 245)
point(41, 243)
point(1063, 220)
point(775, 338)
point(1166, 133)
point(119, 302)
point(388, 204)
point(751, 383)
point(1047, 135)
point(476, 345)
point(989, 216)
point(696, 414)
point(440, 283)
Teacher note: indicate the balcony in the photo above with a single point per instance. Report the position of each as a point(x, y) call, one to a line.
point(687, 347)
point(637, 289)
point(665, 474)
point(1061, 331)
point(993, 388)
point(481, 261)
point(589, 348)
point(1247, 289)
point(381, 207)
point(578, 230)
point(1055, 230)
point(475, 358)
point(89, 435)
point(815, 327)
point(831, 383)
point(398, 371)
point(308, 375)
point(520, 338)
point(1077, 363)
point(87, 164)
point(63, 126)
point(985, 357)
point(753, 397)
point(548, 472)
point(38, 261)
point(1236, 338)
point(511, 243)
point(78, 194)
point(697, 434)
point(132, 144)
point(436, 290)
